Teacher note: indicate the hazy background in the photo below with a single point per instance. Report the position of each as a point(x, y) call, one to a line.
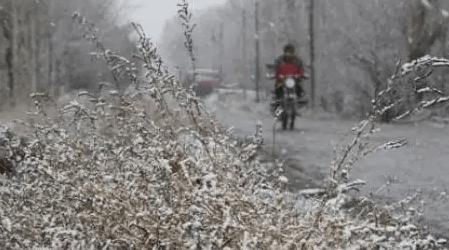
point(357, 44)
point(152, 14)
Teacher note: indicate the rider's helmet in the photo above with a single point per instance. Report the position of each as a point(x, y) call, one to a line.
point(289, 48)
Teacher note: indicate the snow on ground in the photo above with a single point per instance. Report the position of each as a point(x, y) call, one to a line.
point(419, 167)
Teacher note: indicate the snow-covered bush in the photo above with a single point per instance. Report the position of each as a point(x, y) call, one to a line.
point(109, 175)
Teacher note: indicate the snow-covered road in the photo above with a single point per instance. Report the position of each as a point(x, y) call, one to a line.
point(421, 165)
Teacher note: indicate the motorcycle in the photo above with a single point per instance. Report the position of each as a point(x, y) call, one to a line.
point(287, 107)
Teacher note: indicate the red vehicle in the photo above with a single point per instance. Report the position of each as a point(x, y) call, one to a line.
point(207, 80)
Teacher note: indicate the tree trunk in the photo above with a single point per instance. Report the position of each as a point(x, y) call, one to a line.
point(424, 28)
point(32, 54)
point(257, 60)
point(245, 59)
point(13, 53)
point(312, 52)
point(51, 74)
point(10, 67)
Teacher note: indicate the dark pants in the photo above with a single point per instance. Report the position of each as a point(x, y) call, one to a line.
point(278, 92)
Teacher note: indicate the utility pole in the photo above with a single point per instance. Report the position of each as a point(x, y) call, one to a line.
point(312, 51)
point(221, 52)
point(213, 43)
point(245, 59)
point(257, 74)
point(33, 61)
point(291, 17)
point(445, 53)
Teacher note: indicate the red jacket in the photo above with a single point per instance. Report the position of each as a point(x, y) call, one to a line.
point(284, 67)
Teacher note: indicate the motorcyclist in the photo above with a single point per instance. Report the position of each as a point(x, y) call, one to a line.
point(286, 64)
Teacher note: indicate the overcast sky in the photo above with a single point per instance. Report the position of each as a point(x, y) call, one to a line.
point(152, 13)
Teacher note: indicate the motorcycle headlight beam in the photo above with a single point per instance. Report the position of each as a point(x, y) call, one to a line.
point(290, 83)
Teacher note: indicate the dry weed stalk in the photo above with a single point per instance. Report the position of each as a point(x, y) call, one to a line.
point(386, 100)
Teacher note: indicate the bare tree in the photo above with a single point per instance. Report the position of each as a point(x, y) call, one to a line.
point(358, 42)
point(45, 48)
point(425, 25)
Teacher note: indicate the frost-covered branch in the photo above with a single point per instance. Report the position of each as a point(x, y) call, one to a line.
point(385, 101)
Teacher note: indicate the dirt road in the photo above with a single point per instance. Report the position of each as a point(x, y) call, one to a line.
point(421, 165)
